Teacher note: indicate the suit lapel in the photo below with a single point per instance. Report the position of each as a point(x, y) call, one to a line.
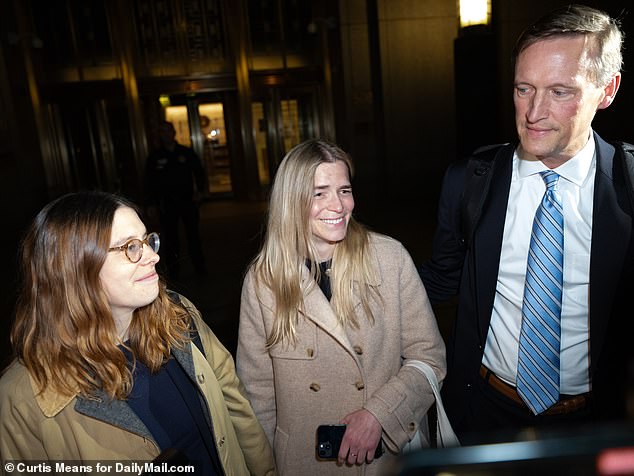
point(487, 240)
point(611, 228)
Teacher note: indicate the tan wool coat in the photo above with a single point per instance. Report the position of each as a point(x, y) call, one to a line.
point(50, 427)
point(332, 371)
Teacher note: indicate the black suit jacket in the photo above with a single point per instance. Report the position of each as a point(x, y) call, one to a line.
point(472, 274)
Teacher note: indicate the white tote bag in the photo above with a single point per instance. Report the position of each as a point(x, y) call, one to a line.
point(445, 435)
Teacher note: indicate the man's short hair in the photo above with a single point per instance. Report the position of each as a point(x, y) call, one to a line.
point(604, 58)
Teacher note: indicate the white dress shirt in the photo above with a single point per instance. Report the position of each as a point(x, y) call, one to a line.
point(576, 187)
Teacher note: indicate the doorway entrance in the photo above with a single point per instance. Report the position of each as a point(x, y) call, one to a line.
point(281, 120)
point(199, 121)
point(207, 122)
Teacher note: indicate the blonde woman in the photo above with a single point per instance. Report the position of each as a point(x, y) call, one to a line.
point(329, 311)
point(110, 367)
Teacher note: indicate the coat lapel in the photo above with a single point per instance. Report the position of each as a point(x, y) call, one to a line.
point(115, 412)
point(611, 229)
point(186, 360)
point(318, 309)
point(487, 240)
point(101, 407)
point(118, 412)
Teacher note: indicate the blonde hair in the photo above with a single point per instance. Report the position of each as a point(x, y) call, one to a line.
point(64, 332)
point(288, 244)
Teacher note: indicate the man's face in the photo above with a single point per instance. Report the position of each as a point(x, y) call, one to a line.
point(167, 134)
point(555, 100)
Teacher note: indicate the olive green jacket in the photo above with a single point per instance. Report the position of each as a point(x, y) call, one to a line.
point(51, 427)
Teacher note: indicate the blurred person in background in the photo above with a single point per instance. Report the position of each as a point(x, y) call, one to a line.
point(176, 183)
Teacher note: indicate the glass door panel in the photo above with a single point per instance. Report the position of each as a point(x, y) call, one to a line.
point(178, 116)
point(282, 120)
point(200, 124)
point(215, 151)
point(259, 133)
point(290, 121)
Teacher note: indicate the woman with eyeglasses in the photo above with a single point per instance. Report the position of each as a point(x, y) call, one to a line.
point(110, 366)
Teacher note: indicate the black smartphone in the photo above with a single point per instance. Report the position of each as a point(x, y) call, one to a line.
point(329, 440)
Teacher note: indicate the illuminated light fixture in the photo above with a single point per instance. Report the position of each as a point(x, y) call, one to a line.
point(164, 99)
point(474, 12)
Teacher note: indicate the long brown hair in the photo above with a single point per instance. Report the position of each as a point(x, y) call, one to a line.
point(64, 332)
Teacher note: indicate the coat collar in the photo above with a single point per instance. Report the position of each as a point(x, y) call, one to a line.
point(611, 237)
point(50, 401)
point(318, 309)
point(115, 412)
point(610, 231)
point(487, 239)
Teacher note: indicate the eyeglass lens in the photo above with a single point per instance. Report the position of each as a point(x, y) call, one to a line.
point(134, 248)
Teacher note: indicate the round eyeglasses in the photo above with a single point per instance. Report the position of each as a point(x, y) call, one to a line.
point(134, 248)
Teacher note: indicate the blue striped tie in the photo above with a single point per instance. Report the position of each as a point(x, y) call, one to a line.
point(540, 337)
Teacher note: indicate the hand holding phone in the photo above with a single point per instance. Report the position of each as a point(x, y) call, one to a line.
point(329, 441)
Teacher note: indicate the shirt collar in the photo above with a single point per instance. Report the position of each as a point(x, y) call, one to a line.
point(575, 170)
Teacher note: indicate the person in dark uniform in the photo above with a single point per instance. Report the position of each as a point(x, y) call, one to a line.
point(175, 183)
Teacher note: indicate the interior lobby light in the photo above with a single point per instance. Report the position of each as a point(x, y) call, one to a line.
point(164, 99)
point(474, 12)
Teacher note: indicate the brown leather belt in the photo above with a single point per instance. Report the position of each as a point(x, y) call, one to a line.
point(565, 405)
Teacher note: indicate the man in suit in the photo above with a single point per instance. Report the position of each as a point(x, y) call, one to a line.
point(502, 377)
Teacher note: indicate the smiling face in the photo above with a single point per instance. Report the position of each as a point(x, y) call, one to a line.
point(128, 285)
point(555, 100)
point(331, 207)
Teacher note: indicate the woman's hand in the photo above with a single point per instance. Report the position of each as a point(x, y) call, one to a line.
point(362, 436)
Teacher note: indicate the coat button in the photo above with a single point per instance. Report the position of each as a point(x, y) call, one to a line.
point(360, 385)
point(358, 350)
point(315, 387)
point(310, 352)
point(200, 378)
point(412, 426)
point(221, 441)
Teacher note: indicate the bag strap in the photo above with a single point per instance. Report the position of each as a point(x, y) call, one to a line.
point(444, 432)
point(477, 183)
